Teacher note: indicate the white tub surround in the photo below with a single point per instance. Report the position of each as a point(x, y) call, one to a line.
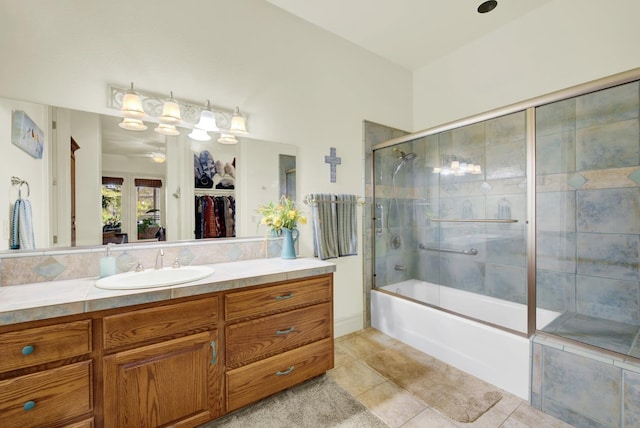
point(492, 354)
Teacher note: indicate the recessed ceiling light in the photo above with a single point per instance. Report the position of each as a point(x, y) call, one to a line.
point(487, 6)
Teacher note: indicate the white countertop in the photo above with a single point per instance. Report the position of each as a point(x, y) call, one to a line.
point(28, 302)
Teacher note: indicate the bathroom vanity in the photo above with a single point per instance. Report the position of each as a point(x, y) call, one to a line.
point(208, 348)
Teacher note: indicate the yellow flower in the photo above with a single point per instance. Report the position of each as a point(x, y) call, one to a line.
point(283, 215)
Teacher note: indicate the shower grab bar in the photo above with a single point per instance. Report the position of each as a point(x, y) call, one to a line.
point(474, 220)
point(469, 252)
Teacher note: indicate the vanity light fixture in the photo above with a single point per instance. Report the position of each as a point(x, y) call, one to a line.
point(206, 124)
point(199, 134)
point(132, 105)
point(227, 139)
point(238, 123)
point(132, 124)
point(453, 165)
point(173, 112)
point(207, 120)
point(158, 157)
point(170, 111)
point(166, 129)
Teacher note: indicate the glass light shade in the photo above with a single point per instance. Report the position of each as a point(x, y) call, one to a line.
point(199, 134)
point(238, 122)
point(455, 165)
point(207, 121)
point(227, 139)
point(477, 169)
point(132, 105)
point(165, 129)
point(170, 111)
point(437, 170)
point(158, 157)
point(132, 124)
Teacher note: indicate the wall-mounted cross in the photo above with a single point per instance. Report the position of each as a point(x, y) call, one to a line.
point(333, 160)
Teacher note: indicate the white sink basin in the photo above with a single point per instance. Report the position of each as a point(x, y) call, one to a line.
point(151, 278)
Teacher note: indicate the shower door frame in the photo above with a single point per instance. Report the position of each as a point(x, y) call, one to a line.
point(529, 108)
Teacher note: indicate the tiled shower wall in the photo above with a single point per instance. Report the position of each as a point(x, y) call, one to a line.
point(373, 134)
point(588, 199)
point(499, 268)
point(584, 388)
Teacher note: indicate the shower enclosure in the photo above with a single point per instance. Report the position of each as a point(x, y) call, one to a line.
point(524, 219)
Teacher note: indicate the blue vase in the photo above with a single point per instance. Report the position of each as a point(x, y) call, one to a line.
point(290, 236)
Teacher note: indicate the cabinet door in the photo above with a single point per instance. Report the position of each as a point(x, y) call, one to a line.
point(173, 383)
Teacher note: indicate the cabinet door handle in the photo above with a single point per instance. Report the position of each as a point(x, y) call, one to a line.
point(286, 372)
point(28, 405)
point(28, 350)
point(214, 354)
point(287, 331)
point(287, 296)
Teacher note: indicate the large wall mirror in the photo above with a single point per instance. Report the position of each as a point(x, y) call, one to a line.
point(96, 183)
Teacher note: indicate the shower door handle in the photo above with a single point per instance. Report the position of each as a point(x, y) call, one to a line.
point(379, 219)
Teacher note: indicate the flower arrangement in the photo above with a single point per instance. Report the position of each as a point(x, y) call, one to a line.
point(283, 215)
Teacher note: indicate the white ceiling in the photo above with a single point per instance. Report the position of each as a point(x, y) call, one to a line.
point(410, 33)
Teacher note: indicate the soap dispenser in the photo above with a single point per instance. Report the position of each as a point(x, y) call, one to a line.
point(107, 264)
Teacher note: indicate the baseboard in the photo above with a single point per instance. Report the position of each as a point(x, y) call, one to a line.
point(346, 325)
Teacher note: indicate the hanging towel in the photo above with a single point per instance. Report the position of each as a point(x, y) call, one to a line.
point(335, 227)
point(347, 225)
point(325, 232)
point(22, 226)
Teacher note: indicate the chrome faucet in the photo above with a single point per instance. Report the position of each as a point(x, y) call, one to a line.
point(159, 263)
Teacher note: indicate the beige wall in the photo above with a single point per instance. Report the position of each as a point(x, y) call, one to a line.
point(299, 85)
point(560, 44)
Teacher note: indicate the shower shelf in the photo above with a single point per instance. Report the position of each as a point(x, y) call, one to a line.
point(473, 220)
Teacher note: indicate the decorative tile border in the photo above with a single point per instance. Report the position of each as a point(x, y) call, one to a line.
point(61, 264)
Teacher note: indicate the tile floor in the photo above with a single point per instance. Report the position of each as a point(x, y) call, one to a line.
point(397, 407)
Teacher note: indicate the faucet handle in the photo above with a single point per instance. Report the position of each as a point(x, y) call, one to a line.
point(139, 267)
point(176, 264)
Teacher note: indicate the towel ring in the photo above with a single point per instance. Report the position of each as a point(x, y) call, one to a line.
point(15, 181)
point(20, 190)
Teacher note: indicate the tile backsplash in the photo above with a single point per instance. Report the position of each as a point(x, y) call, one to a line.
point(64, 264)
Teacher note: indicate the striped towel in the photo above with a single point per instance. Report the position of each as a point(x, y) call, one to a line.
point(335, 228)
point(22, 226)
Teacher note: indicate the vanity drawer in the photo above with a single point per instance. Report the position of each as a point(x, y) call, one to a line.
point(146, 325)
point(251, 340)
point(277, 298)
point(265, 377)
point(46, 397)
point(40, 345)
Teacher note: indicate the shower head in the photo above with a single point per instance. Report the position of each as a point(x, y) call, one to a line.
point(404, 157)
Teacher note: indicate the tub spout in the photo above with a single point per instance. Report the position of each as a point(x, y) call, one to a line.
point(400, 268)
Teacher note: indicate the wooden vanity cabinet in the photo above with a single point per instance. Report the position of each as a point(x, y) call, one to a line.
point(276, 337)
point(173, 381)
point(173, 363)
point(47, 376)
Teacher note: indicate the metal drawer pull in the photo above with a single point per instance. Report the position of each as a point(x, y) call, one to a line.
point(287, 331)
point(27, 350)
point(286, 372)
point(288, 296)
point(214, 354)
point(28, 405)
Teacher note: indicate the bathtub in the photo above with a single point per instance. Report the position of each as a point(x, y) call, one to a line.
point(494, 355)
